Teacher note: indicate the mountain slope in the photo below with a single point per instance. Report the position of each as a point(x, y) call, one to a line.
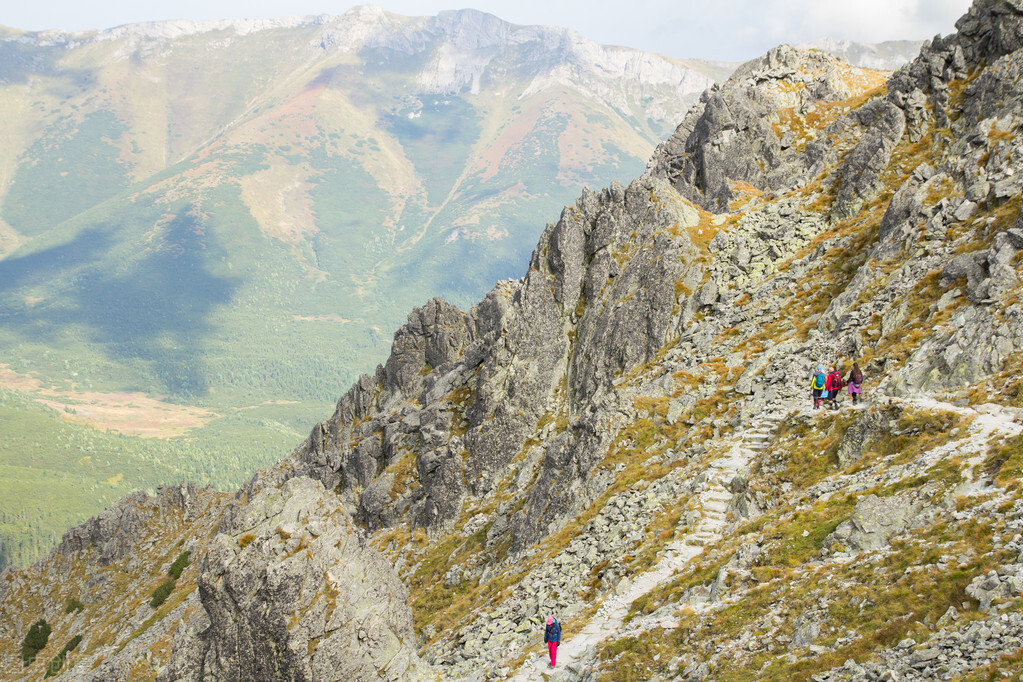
point(230, 216)
point(623, 438)
point(335, 168)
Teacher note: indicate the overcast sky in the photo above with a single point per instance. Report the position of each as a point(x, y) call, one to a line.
point(731, 30)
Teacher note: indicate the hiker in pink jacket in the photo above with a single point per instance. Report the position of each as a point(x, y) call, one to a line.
point(552, 635)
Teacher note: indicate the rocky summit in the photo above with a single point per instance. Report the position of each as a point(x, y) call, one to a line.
point(624, 438)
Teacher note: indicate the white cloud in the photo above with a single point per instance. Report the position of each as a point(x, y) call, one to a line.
point(871, 20)
point(728, 29)
point(746, 28)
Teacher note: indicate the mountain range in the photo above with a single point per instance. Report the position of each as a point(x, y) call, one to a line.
point(228, 190)
point(625, 436)
point(207, 229)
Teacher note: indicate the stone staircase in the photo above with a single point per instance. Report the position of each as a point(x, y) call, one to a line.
point(759, 436)
point(716, 499)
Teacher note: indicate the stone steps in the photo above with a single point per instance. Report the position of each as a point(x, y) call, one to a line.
point(703, 538)
point(760, 434)
point(716, 506)
point(716, 518)
point(713, 502)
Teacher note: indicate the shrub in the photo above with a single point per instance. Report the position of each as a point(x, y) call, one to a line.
point(35, 640)
point(179, 565)
point(74, 606)
point(54, 666)
point(57, 662)
point(161, 593)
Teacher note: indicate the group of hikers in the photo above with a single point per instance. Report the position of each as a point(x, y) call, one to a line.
point(825, 388)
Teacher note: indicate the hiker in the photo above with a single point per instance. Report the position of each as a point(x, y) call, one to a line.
point(552, 635)
point(833, 384)
point(817, 386)
point(855, 382)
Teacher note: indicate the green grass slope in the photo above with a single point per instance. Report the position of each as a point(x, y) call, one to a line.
point(58, 473)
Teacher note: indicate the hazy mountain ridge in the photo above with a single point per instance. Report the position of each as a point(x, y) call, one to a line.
point(888, 55)
point(366, 26)
point(163, 117)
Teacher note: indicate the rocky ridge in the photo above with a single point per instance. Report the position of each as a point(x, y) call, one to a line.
point(466, 54)
point(623, 438)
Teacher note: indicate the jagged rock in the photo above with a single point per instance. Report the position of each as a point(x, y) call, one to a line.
point(974, 345)
point(860, 174)
point(434, 336)
point(874, 520)
point(441, 474)
point(292, 592)
point(987, 588)
point(968, 267)
point(116, 530)
point(510, 354)
point(636, 309)
point(678, 407)
point(729, 136)
point(719, 141)
point(708, 293)
point(806, 629)
point(870, 424)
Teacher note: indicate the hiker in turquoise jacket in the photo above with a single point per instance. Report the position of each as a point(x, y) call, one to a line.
point(817, 385)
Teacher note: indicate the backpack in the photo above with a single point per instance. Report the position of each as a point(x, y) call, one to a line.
point(836, 381)
point(818, 380)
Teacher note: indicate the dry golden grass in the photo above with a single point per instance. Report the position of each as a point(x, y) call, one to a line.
point(130, 413)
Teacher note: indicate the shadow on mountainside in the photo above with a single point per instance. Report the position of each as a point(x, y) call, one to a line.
point(156, 309)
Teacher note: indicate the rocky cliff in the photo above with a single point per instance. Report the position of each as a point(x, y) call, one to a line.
point(624, 438)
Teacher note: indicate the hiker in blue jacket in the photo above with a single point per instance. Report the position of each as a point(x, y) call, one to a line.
point(817, 385)
point(552, 635)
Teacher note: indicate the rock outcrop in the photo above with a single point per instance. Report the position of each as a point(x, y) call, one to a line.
point(291, 591)
point(600, 299)
point(874, 520)
point(276, 584)
point(733, 136)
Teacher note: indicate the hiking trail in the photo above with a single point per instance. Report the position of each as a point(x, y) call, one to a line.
point(713, 502)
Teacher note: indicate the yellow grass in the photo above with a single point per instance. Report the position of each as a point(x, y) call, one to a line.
point(131, 413)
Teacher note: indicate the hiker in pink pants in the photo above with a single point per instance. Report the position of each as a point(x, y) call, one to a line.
point(552, 635)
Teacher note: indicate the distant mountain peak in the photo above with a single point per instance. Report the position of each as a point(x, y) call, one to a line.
point(886, 56)
point(469, 38)
point(165, 30)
